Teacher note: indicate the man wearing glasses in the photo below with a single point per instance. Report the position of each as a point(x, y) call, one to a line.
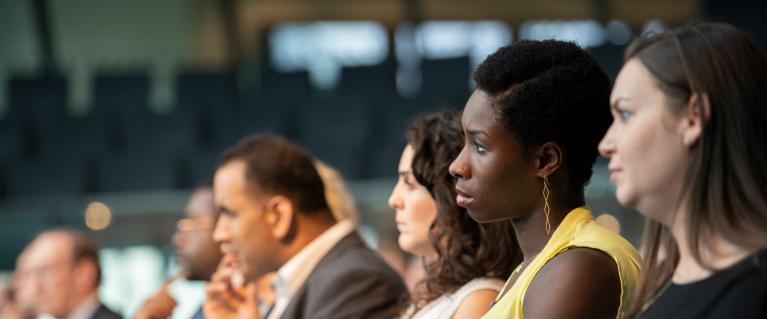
point(196, 253)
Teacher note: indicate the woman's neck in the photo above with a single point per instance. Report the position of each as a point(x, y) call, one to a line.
point(718, 253)
point(429, 257)
point(531, 229)
point(531, 232)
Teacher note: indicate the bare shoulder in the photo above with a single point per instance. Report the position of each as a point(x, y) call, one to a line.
point(577, 283)
point(475, 304)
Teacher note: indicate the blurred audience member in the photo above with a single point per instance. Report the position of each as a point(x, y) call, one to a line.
point(196, 253)
point(465, 262)
point(9, 309)
point(19, 301)
point(340, 200)
point(63, 265)
point(275, 218)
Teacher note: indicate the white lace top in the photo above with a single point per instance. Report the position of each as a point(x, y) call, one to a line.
point(445, 306)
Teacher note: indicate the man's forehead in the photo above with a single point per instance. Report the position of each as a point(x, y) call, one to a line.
point(52, 246)
point(201, 204)
point(231, 177)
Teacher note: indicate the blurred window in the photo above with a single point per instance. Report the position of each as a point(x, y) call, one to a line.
point(585, 33)
point(323, 48)
point(450, 39)
point(444, 39)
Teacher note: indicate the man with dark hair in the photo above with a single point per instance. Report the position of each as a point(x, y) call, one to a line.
point(274, 218)
point(196, 253)
point(65, 264)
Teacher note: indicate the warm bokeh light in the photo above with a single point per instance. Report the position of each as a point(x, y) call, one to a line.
point(97, 216)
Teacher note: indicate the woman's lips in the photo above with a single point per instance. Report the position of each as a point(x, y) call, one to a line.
point(463, 199)
point(614, 173)
point(400, 226)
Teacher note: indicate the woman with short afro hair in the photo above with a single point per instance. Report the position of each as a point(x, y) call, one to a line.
point(531, 130)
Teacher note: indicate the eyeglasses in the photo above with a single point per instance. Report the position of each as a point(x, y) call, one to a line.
point(195, 223)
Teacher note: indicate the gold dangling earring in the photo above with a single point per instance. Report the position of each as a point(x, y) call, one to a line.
point(546, 208)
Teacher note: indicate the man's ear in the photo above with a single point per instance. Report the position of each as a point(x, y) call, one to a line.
point(695, 118)
point(84, 274)
point(280, 216)
point(549, 158)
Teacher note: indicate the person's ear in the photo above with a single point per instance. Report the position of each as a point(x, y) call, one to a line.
point(84, 274)
point(694, 119)
point(549, 158)
point(280, 215)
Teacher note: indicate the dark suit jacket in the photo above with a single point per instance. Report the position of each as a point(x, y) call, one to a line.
point(105, 313)
point(351, 281)
point(199, 314)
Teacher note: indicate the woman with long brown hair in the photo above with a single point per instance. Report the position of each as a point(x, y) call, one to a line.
point(687, 150)
point(465, 261)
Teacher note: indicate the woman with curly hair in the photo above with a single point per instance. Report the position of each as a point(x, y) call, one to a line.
point(532, 127)
point(465, 262)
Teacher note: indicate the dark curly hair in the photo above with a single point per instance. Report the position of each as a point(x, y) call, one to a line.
point(465, 249)
point(550, 91)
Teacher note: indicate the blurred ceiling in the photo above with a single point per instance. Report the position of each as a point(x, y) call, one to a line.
point(254, 14)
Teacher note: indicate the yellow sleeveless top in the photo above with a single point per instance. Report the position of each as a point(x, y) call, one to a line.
point(578, 229)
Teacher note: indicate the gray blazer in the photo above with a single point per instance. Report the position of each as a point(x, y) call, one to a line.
point(351, 281)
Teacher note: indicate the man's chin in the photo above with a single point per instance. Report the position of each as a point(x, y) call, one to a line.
point(184, 270)
point(194, 277)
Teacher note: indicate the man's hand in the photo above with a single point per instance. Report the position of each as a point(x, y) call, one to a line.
point(225, 301)
point(159, 306)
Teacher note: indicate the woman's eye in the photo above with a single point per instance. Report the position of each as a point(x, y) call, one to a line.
point(479, 148)
point(409, 183)
point(624, 115)
point(229, 213)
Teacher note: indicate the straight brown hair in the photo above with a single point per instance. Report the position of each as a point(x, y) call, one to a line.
point(727, 178)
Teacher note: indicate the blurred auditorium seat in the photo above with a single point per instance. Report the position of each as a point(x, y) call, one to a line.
point(37, 106)
point(362, 91)
point(43, 97)
point(10, 139)
point(287, 85)
point(283, 95)
point(445, 83)
point(120, 145)
point(388, 135)
point(376, 82)
point(141, 171)
point(336, 130)
point(197, 90)
point(207, 97)
point(66, 175)
point(610, 58)
point(444, 86)
point(45, 149)
point(4, 180)
point(285, 91)
point(120, 107)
